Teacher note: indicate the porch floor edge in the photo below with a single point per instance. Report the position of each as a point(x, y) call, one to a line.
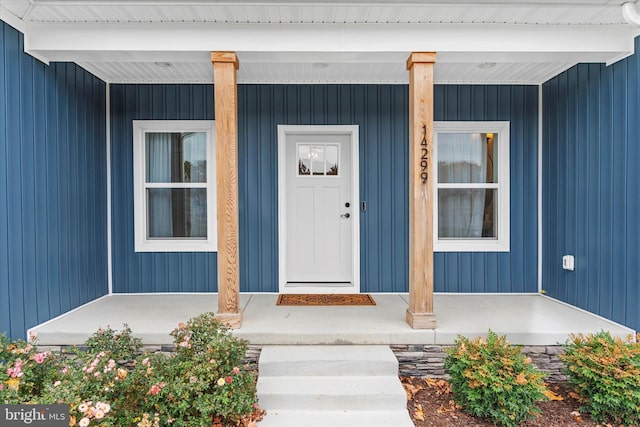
point(525, 319)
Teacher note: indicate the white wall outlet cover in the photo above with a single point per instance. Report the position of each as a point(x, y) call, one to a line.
point(568, 262)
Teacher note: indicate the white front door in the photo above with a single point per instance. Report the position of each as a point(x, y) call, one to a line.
point(319, 211)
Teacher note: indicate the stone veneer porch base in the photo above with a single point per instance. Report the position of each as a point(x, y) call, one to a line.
point(428, 360)
point(417, 360)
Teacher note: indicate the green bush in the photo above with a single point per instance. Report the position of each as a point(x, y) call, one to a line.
point(491, 379)
point(605, 372)
point(109, 383)
point(203, 380)
point(23, 370)
point(120, 346)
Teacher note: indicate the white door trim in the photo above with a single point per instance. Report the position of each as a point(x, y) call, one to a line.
point(352, 131)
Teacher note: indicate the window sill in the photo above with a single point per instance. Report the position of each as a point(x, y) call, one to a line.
point(175, 246)
point(471, 246)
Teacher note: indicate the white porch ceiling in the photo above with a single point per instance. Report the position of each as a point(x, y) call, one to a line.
point(301, 41)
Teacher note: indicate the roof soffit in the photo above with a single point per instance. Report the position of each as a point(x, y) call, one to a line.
point(464, 34)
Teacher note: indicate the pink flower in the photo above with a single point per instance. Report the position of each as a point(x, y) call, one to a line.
point(65, 370)
point(99, 414)
point(16, 372)
point(40, 357)
point(145, 362)
point(1, 386)
point(236, 370)
point(33, 335)
point(193, 380)
point(155, 389)
point(111, 364)
point(229, 379)
point(83, 407)
point(104, 407)
point(84, 422)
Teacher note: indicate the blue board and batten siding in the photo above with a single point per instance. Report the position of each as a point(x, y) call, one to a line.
point(381, 112)
point(53, 222)
point(591, 188)
point(152, 272)
point(515, 271)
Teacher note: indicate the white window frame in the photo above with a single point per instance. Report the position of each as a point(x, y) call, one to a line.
point(142, 243)
point(502, 243)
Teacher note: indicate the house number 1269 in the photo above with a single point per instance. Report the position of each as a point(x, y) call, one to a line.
point(424, 160)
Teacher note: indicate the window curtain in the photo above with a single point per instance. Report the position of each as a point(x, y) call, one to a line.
point(462, 158)
point(195, 170)
point(158, 148)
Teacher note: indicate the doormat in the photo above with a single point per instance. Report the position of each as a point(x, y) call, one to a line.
point(325, 299)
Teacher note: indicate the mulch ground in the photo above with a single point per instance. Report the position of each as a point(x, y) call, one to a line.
point(431, 404)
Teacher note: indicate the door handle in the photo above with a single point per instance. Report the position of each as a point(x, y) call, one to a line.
point(346, 215)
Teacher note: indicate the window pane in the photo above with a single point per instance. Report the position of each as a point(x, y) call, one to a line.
point(317, 160)
point(331, 164)
point(304, 160)
point(177, 213)
point(467, 213)
point(176, 157)
point(467, 158)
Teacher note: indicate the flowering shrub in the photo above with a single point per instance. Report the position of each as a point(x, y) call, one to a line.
point(118, 345)
point(23, 370)
point(112, 384)
point(98, 389)
point(605, 372)
point(203, 380)
point(492, 379)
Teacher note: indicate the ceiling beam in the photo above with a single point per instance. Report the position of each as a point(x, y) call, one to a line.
point(64, 41)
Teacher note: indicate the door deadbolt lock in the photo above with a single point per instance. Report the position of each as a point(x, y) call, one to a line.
point(346, 205)
point(346, 215)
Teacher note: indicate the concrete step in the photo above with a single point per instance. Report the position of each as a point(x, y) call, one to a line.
point(331, 385)
point(326, 393)
point(327, 360)
point(396, 418)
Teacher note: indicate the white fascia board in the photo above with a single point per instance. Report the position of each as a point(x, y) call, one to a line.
point(23, 27)
point(12, 19)
point(55, 40)
point(17, 23)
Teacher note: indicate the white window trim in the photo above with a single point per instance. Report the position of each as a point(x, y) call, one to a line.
point(502, 243)
point(142, 244)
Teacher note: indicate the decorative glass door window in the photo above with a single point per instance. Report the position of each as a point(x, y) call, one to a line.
point(472, 186)
point(318, 159)
point(175, 193)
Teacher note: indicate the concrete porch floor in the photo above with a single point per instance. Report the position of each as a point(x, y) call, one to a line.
point(526, 319)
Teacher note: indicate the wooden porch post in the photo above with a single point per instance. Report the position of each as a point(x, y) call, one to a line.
point(225, 65)
point(420, 312)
